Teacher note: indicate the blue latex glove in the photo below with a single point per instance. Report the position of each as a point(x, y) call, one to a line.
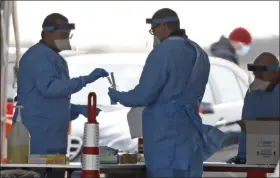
point(214, 140)
point(237, 160)
point(95, 74)
point(76, 110)
point(84, 111)
point(113, 94)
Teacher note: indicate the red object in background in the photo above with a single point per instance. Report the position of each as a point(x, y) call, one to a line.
point(4, 160)
point(200, 109)
point(9, 115)
point(7, 125)
point(256, 175)
point(10, 108)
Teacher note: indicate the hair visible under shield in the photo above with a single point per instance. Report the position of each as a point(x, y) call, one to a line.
point(52, 19)
point(166, 12)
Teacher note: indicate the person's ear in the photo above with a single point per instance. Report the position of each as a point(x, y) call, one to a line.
point(273, 83)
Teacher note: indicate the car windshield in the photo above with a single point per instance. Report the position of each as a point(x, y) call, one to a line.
point(126, 77)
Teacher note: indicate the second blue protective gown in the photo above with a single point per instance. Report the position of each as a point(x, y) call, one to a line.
point(171, 87)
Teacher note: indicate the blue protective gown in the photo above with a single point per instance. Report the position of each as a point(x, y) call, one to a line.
point(171, 87)
point(258, 104)
point(44, 90)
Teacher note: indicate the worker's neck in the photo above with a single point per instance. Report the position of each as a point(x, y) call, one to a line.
point(178, 32)
point(49, 45)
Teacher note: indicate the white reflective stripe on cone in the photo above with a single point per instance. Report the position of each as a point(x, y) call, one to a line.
point(90, 162)
point(91, 135)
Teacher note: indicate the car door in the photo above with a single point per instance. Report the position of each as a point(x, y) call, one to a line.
point(228, 96)
point(209, 97)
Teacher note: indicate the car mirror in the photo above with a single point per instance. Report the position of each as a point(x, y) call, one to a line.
point(207, 108)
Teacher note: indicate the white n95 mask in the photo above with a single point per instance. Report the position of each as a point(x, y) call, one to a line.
point(243, 51)
point(258, 85)
point(63, 44)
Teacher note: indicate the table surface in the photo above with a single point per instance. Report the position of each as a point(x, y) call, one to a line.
point(129, 166)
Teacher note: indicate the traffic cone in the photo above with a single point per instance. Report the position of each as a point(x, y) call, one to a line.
point(90, 151)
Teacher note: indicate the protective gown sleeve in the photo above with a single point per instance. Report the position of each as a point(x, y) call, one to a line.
point(75, 111)
point(152, 80)
point(47, 80)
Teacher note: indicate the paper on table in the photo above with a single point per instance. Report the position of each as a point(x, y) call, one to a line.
point(134, 119)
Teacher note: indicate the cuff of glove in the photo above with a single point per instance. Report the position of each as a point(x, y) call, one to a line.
point(237, 160)
point(83, 80)
point(88, 79)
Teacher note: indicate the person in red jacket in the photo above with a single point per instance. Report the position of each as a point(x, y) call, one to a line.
point(237, 44)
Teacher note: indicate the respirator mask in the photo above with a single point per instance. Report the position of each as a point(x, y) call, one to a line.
point(256, 83)
point(65, 35)
point(243, 50)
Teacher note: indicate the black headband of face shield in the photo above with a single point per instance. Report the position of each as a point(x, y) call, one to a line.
point(157, 21)
point(255, 68)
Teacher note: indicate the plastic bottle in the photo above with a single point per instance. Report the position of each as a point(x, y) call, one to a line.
point(18, 142)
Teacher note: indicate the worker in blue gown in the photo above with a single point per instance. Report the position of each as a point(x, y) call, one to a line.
point(171, 88)
point(262, 98)
point(45, 88)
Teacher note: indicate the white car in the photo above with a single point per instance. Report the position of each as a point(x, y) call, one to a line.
point(222, 102)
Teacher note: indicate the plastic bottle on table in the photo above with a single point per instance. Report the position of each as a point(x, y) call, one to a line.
point(18, 142)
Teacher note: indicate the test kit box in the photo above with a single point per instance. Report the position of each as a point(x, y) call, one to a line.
point(47, 159)
point(262, 140)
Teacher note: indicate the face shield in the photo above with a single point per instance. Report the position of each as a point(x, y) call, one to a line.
point(256, 76)
point(65, 35)
point(156, 22)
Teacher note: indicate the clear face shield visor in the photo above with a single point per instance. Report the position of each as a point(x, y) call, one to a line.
point(255, 81)
point(64, 33)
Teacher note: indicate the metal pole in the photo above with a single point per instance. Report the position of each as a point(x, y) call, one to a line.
point(5, 24)
point(17, 40)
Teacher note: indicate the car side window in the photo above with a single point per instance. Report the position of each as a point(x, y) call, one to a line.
point(208, 94)
point(227, 84)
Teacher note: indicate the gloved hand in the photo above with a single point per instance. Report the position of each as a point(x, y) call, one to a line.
point(76, 110)
point(112, 94)
point(84, 111)
point(237, 160)
point(95, 74)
